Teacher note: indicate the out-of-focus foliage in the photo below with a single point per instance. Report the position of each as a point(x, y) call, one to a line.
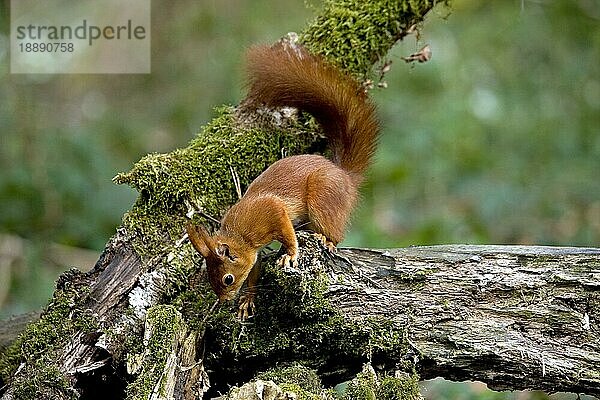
point(495, 140)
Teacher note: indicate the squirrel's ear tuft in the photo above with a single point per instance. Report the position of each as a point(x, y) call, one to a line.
point(200, 239)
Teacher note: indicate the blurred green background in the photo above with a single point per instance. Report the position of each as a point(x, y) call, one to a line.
point(495, 140)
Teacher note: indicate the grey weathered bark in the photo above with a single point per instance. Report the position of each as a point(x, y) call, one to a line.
point(515, 317)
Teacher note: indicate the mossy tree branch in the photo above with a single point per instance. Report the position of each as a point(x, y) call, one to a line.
point(513, 317)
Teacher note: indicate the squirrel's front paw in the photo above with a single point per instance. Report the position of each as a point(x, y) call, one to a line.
point(246, 309)
point(288, 261)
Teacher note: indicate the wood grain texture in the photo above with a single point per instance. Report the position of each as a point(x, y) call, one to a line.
point(515, 317)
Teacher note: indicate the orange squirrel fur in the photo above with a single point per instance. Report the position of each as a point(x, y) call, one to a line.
point(304, 189)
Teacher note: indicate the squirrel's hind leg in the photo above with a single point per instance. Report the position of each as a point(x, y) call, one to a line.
point(330, 198)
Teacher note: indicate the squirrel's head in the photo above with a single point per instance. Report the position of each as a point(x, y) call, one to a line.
point(228, 262)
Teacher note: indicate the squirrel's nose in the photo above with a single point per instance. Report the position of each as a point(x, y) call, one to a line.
point(226, 296)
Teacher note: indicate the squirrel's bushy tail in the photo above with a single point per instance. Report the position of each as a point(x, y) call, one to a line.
point(282, 76)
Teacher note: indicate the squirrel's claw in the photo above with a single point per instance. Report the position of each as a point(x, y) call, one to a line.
point(288, 261)
point(247, 308)
point(325, 242)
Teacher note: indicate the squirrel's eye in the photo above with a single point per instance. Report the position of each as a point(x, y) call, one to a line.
point(228, 279)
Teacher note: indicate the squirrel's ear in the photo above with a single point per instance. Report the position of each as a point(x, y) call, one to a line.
point(200, 239)
point(222, 250)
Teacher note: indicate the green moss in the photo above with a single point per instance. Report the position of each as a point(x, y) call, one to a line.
point(10, 359)
point(42, 382)
point(355, 34)
point(297, 379)
point(295, 375)
point(130, 344)
point(403, 388)
point(363, 387)
point(368, 385)
point(164, 328)
point(36, 348)
point(301, 394)
point(194, 304)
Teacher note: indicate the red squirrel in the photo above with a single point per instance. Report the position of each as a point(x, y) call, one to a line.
point(305, 189)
